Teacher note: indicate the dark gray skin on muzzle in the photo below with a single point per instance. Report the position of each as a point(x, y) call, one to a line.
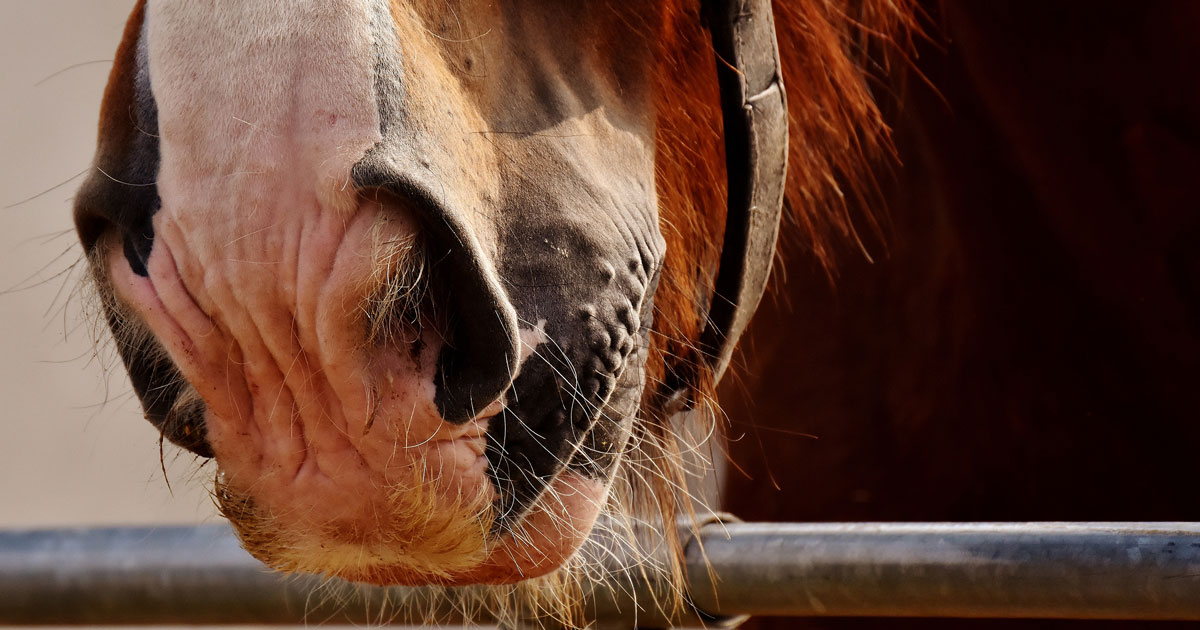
point(568, 244)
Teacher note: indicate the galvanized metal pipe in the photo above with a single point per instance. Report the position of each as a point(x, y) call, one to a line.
point(126, 576)
point(1030, 570)
point(199, 575)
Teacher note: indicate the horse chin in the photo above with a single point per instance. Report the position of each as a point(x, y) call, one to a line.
point(412, 534)
point(540, 543)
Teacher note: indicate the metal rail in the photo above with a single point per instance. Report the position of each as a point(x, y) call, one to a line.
point(199, 575)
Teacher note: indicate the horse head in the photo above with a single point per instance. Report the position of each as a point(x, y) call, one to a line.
point(427, 279)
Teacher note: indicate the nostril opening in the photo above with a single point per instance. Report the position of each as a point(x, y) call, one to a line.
point(478, 360)
point(139, 240)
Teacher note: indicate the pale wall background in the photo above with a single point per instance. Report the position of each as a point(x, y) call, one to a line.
point(74, 449)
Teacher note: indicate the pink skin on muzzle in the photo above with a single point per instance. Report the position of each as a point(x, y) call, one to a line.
point(262, 258)
point(316, 427)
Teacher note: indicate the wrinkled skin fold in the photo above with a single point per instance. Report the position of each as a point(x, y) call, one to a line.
point(393, 267)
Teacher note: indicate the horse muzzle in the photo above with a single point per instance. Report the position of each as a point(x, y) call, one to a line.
point(415, 350)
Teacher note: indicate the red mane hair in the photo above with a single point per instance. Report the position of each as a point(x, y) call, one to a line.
point(830, 52)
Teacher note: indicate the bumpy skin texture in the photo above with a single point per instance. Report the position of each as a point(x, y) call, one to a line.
point(250, 169)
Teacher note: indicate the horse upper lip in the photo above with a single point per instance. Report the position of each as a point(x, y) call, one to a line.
point(490, 411)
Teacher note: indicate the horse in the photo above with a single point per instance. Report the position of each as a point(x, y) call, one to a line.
point(430, 280)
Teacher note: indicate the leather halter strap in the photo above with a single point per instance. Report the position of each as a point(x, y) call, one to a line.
point(756, 147)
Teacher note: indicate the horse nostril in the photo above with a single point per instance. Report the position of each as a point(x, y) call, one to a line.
point(482, 349)
point(478, 363)
point(139, 240)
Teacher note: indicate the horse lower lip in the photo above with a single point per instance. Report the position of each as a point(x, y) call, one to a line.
point(475, 441)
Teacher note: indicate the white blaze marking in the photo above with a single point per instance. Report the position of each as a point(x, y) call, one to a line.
point(260, 89)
